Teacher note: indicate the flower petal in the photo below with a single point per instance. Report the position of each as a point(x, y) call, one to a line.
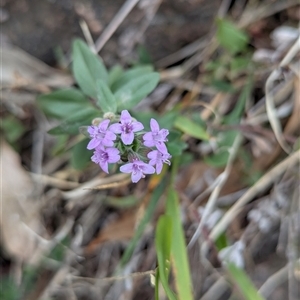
point(136, 176)
point(154, 125)
point(147, 169)
point(125, 116)
point(110, 135)
point(164, 133)
point(161, 147)
point(113, 155)
point(152, 162)
point(93, 144)
point(148, 136)
point(127, 168)
point(127, 138)
point(103, 125)
point(159, 167)
point(107, 142)
point(104, 166)
point(91, 130)
point(137, 126)
point(95, 158)
point(152, 154)
point(112, 151)
point(149, 143)
point(116, 128)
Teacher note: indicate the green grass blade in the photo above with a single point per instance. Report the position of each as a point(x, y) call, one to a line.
point(146, 219)
point(163, 244)
point(191, 128)
point(243, 283)
point(179, 250)
point(157, 278)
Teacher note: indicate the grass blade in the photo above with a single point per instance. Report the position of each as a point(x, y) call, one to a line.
point(146, 219)
point(163, 244)
point(243, 282)
point(179, 250)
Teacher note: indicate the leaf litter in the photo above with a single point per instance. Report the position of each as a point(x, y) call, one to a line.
point(245, 211)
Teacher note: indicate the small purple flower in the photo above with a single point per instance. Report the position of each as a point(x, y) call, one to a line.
point(103, 157)
point(100, 135)
point(137, 168)
point(156, 137)
point(126, 127)
point(157, 159)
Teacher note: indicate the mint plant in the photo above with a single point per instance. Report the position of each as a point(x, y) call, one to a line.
point(99, 109)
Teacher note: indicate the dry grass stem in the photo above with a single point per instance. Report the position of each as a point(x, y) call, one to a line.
point(84, 188)
point(274, 281)
point(221, 179)
point(293, 248)
point(114, 278)
point(216, 290)
point(261, 185)
point(182, 53)
point(270, 106)
point(111, 185)
point(55, 182)
point(87, 34)
point(115, 23)
point(254, 14)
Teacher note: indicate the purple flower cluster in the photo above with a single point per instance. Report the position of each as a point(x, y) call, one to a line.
point(126, 140)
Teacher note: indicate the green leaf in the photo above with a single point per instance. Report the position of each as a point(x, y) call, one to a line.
point(165, 121)
point(81, 156)
point(223, 86)
point(235, 116)
point(163, 244)
point(130, 94)
point(62, 103)
point(105, 99)
point(144, 55)
point(174, 135)
point(220, 158)
point(191, 128)
point(179, 255)
point(9, 289)
point(212, 65)
point(296, 144)
point(29, 278)
point(243, 283)
point(60, 144)
point(157, 279)
point(217, 160)
point(60, 57)
point(157, 193)
point(221, 242)
point(121, 202)
point(230, 37)
point(87, 68)
point(13, 128)
point(168, 119)
point(186, 159)
point(175, 145)
point(58, 252)
point(145, 117)
point(240, 63)
point(72, 124)
point(114, 74)
point(176, 148)
point(131, 75)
